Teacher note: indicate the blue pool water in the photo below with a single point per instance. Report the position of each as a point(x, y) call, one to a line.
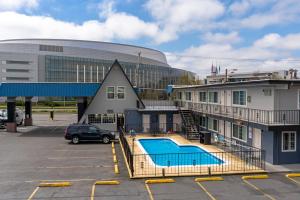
point(165, 152)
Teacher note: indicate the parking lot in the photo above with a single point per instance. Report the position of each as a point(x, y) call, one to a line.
point(40, 154)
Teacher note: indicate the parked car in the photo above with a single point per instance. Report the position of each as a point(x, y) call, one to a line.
point(87, 132)
point(19, 117)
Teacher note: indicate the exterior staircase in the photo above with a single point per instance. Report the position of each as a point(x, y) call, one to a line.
point(190, 126)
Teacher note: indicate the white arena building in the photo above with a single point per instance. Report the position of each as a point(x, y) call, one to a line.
point(59, 60)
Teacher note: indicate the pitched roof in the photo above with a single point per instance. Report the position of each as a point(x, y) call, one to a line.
point(116, 63)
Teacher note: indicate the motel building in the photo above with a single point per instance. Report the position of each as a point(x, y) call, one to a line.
point(263, 114)
point(227, 128)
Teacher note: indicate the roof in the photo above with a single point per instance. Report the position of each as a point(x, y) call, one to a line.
point(48, 89)
point(97, 45)
point(116, 63)
point(242, 83)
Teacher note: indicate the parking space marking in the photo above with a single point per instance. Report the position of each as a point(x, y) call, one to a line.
point(149, 191)
point(258, 189)
point(206, 191)
point(33, 193)
point(290, 177)
point(93, 192)
point(103, 182)
point(50, 184)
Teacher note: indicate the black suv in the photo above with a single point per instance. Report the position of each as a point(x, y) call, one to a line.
point(87, 132)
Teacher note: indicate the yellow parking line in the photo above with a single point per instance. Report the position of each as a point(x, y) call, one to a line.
point(103, 182)
point(93, 192)
point(149, 191)
point(293, 180)
point(258, 189)
point(33, 193)
point(55, 184)
point(206, 191)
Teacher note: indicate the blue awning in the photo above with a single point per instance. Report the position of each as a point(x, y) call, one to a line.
point(48, 89)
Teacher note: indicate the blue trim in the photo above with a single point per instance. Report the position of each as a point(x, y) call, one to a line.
point(48, 89)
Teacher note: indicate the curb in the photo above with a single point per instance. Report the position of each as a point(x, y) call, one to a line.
point(55, 184)
point(112, 182)
point(116, 169)
point(115, 159)
point(293, 175)
point(255, 177)
point(155, 181)
point(209, 179)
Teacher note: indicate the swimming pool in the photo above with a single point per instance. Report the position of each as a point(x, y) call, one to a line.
point(165, 152)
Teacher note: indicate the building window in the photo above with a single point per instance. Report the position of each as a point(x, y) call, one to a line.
point(17, 78)
point(121, 92)
point(213, 97)
point(188, 96)
point(110, 92)
point(202, 96)
point(289, 141)
point(94, 118)
point(51, 48)
point(179, 95)
point(298, 99)
point(212, 124)
point(239, 97)
point(202, 121)
point(17, 70)
point(239, 132)
point(108, 118)
point(17, 62)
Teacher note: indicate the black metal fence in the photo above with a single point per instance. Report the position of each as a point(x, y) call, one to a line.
point(202, 163)
point(233, 160)
point(246, 114)
point(127, 150)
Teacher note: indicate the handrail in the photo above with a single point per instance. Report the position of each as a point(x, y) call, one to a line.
point(245, 114)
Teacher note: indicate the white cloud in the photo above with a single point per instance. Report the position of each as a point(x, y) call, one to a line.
point(230, 38)
point(176, 16)
point(10, 5)
point(274, 40)
point(239, 7)
point(106, 8)
point(260, 56)
point(281, 12)
point(15, 25)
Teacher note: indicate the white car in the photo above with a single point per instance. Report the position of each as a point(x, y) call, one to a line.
point(19, 116)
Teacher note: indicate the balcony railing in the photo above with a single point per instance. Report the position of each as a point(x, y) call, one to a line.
point(159, 105)
point(270, 117)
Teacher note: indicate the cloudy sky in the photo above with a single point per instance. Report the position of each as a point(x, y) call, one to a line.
point(248, 35)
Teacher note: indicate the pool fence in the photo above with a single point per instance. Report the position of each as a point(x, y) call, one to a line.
point(232, 159)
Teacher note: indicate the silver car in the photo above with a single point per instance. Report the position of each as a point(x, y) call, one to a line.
point(19, 116)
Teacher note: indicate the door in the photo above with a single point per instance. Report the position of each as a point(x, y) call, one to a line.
point(120, 121)
point(154, 126)
point(163, 122)
point(89, 133)
point(256, 135)
point(176, 122)
point(146, 123)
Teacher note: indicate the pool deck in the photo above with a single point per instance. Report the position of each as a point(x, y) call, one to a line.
point(144, 166)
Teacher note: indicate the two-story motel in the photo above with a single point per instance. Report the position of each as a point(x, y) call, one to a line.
point(264, 114)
